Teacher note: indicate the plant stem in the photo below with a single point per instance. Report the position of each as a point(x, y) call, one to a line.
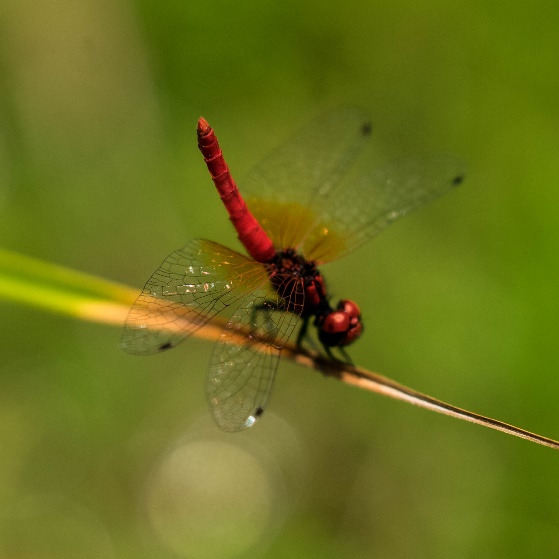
point(57, 289)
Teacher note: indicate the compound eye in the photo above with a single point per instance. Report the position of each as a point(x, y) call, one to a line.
point(352, 334)
point(350, 308)
point(336, 322)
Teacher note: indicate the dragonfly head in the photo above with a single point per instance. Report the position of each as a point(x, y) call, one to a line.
point(342, 326)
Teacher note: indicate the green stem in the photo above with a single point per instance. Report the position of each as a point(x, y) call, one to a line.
point(58, 289)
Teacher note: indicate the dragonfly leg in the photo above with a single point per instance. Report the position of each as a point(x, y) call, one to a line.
point(345, 355)
point(303, 331)
point(303, 338)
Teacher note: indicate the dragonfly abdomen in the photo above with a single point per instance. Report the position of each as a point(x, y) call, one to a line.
point(249, 231)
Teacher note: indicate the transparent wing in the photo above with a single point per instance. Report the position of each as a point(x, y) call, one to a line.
point(297, 196)
point(191, 286)
point(352, 215)
point(305, 168)
point(241, 376)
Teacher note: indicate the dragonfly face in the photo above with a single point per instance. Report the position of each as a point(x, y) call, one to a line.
point(341, 327)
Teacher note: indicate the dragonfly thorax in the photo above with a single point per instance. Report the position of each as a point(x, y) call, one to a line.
point(300, 284)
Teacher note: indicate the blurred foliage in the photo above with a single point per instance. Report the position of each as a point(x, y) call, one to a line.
point(106, 455)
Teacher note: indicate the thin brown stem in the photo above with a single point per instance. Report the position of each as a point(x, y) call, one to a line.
point(368, 380)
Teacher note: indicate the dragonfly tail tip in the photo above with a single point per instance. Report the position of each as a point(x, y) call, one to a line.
point(203, 125)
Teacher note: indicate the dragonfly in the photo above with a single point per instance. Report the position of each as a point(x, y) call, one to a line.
point(295, 213)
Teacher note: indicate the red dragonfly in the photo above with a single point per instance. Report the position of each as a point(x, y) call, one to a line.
point(297, 216)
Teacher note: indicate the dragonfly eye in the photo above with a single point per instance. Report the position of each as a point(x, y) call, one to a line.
point(355, 330)
point(350, 308)
point(336, 322)
point(341, 327)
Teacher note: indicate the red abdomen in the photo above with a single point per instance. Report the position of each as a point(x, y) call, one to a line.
point(249, 231)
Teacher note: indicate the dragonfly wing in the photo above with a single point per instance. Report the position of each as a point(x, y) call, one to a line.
point(241, 375)
point(307, 166)
point(363, 209)
point(190, 287)
point(298, 198)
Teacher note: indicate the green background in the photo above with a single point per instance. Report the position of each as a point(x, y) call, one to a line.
point(107, 455)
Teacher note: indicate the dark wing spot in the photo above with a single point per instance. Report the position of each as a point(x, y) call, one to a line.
point(366, 128)
point(457, 180)
point(259, 411)
point(163, 347)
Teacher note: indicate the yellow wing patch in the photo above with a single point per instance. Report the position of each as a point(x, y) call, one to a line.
point(291, 225)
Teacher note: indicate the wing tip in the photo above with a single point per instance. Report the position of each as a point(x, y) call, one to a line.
point(458, 179)
point(367, 128)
